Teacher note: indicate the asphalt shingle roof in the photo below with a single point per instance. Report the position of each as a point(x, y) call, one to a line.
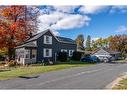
point(66, 40)
point(28, 43)
point(107, 50)
point(61, 39)
point(36, 36)
point(111, 51)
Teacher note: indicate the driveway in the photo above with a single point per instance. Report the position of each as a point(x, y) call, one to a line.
point(92, 77)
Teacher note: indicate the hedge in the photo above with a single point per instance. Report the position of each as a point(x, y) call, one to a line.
point(62, 56)
point(76, 56)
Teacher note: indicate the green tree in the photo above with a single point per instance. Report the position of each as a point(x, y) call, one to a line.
point(88, 43)
point(119, 43)
point(101, 42)
point(80, 41)
point(93, 45)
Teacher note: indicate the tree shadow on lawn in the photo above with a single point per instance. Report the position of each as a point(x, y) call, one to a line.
point(29, 77)
point(4, 70)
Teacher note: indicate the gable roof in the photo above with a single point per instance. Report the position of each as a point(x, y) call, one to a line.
point(58, 38)
point(36, 36)
point(28, 42)
point(65, 40)
point(107, 50)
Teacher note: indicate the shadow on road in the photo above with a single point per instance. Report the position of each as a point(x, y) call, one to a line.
point(118, 63)
point(25, 77)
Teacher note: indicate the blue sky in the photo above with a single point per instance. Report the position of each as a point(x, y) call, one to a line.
point(96, 21)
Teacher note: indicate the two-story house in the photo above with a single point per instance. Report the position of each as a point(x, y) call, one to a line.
point(44, 46)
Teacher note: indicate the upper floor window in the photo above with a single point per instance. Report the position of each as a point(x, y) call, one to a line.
point(47, 39)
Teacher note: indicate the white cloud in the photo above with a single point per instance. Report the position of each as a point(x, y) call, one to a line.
point(58, 20)
point(47, 20)
point(56, 33)
point(122, 29)
point(91, 9)
point(65, 9)
point(64, 17)
point(121, 9)
point(51, 18)
point(71, 21)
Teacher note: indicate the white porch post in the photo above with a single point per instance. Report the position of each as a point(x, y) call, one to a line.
point(24, 57)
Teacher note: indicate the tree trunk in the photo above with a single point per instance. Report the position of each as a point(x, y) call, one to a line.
point(10, 53)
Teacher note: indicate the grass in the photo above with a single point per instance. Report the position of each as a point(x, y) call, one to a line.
point(1, 62)
point(33, 70)
point(122, 85)
point(121, 61)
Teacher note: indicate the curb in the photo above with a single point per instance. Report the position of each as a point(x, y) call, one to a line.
point(116, 81)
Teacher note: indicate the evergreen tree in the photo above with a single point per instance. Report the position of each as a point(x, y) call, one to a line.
point(88, 43)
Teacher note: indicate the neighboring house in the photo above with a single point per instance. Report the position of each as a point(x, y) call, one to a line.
point(104, 53)
point(80, 50)
point(84, 52)
point(44, 46)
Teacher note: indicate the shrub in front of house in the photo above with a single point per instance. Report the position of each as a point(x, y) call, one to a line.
point(12, 63)
point(76, 56)
point(2, 58)
point(62, 56)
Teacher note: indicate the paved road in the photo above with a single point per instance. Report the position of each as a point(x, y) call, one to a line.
point(92, 77)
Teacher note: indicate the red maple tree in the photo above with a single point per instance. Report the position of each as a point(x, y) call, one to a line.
point(16, 23)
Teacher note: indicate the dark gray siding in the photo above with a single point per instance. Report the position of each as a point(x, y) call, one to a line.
point(55, 46)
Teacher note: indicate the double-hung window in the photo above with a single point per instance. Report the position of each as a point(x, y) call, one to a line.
point(47, 39)
point(34, 53)
point(71, 52)
point(47, 52)
point(27, 53)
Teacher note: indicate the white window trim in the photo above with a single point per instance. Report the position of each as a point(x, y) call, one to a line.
point(50, 39)
point(70, 52)
point(28, 54)
point(50, 52)
point(63, 50)
point(35, 53)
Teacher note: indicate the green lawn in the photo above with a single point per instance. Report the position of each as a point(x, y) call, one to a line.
point(122, 85)
point(121, 61)
point(33, 70)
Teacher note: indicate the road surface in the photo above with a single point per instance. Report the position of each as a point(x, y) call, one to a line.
point(92, 77)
